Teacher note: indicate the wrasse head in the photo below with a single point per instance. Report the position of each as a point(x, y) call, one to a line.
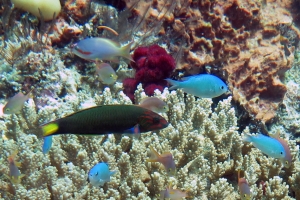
point(150, 121)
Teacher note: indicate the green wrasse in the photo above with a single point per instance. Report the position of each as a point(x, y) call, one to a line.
point(105, 120)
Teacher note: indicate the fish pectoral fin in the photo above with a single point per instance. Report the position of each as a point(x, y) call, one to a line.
point(134, 130)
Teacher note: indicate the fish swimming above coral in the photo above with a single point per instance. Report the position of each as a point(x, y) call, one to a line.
point(14, 173)
point(106, 73)
point(172, 194)
point(271, 147)
point(202, 85)
point(244, 188)
point(101, 49)
point(16, 103)
point(107, 119)
point(166, 159)
point(155, 104)
point(100, 174)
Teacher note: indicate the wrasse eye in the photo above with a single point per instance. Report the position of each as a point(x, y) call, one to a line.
point(222, 87)
point(281, 152)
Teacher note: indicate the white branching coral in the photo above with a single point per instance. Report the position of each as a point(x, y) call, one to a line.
point(205, 144)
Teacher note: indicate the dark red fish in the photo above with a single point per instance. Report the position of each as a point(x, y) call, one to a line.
point(107, 119)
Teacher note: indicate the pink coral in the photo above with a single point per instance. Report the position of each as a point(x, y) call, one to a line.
point(152, 64)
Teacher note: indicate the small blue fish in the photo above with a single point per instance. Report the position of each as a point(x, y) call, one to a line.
point(267, 145)
point(47, 144)
point(202, 85)
point(101, 49)
point(100, 174)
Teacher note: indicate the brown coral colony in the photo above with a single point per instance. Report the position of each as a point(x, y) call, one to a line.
point(238, 37)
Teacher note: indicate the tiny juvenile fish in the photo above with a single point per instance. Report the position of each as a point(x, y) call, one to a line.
point(16, 103)
point(155, 104)
point(47, 144)
point(173, 194)
point(106, 73)
point(101, 49)
point(166, 159)
point(202, 85)
point(107, 119)
point(269, 146)
point(244, 188)
point(14, 173)
point(100, 174)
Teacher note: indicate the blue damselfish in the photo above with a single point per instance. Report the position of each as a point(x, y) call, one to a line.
point(269, 146)
point(202, 85)
point(100, 174)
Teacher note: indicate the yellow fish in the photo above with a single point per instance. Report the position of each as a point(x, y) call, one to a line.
point(106, 73)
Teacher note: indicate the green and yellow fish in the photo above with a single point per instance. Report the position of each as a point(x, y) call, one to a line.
point(107, 119)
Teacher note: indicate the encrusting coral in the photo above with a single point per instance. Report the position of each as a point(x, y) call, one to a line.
point(205, 144)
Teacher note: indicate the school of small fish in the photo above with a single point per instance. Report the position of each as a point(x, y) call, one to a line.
point(134, 119)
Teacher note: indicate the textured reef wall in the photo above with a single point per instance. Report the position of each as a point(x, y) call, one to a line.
point(249, 44)
point(241, 40)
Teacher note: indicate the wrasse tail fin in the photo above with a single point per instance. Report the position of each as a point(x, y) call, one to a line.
point(49, 129)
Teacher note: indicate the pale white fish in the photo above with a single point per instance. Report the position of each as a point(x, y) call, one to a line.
point(155, 104)
point(16, 103)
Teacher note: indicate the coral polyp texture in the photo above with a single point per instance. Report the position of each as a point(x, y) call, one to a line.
point(242, 38)
point(152, 65)
point(197, 136)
